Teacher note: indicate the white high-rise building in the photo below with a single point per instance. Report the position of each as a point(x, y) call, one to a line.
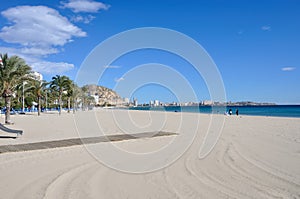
point(126, 100)
point(96, 97)
point(135, 102)
point(207, 103)
point(37, 76)
point(151, 103)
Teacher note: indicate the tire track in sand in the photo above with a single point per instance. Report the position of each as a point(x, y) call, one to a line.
point(63, 185)
point(260, 177)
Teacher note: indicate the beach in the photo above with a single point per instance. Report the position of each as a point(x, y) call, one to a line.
point(254, 157)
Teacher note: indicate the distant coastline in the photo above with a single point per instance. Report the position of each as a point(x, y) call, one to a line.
point(206, 103)
point(245, 103)
point(255, 110)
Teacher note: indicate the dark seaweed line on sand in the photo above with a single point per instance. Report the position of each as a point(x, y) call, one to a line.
point(78, 141)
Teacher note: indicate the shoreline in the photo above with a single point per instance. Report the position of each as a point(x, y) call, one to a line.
point(270, 111)
point(203, 113)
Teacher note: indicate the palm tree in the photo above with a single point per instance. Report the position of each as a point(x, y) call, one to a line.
point(60, 84)
point(70, 91)
point(37, 88)
point(77, 92)
point(84, 95)
point(87, 100)
point(13, 71)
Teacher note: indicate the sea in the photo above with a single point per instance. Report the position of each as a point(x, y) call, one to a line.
point(274, 110)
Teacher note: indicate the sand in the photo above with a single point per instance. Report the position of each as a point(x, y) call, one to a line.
point(255, 157)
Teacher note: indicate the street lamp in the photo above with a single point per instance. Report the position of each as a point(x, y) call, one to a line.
point(23, 97)
point(46, 101)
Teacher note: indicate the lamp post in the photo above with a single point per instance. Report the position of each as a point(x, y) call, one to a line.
point(46, 101)
point(23, 98)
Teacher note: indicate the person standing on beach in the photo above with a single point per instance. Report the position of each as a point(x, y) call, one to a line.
point(230, 111)
point(237, 112)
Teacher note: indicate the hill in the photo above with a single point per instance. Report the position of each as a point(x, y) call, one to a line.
point(103, 95)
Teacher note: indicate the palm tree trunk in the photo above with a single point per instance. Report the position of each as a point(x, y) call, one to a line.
point(60, 104)
point(7, 112)
point(83, 104)
point(39, 106)
point(74, 105)
point(69, 104)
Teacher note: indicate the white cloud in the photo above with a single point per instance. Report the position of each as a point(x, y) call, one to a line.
point(15, 51)
point(39, 51)
point(288, 68)
point(37, 64)
point(112, 66)
point(52, 67)
point(38, 28)
point(28, 51)
point(83, 19)
point(35, 32)
point(266, 28)
point(11, 51)
point(119, 79)
point(85, 6)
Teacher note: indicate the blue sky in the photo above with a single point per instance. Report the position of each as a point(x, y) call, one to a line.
point(255, 44)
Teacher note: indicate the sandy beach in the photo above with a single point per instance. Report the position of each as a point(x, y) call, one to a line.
point(255, 157)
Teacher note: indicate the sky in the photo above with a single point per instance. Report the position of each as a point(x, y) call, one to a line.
point(254, 44)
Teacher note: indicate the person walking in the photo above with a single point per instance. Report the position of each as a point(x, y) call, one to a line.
point(237, 112)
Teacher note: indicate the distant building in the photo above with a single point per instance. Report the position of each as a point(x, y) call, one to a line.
point(96, 97)
point(126, 100)
point(156, 103)
point(151, 103)
point(135, 102)
point(37, 76)
point(207, 103)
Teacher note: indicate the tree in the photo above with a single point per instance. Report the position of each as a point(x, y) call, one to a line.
point(87, 100)
point(77, 92)
point(70, 92)
point(37, 88)
point(13, 71)
point(60, 84)
point(52, 97)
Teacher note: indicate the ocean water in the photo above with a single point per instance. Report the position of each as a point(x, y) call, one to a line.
point(276, 111)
